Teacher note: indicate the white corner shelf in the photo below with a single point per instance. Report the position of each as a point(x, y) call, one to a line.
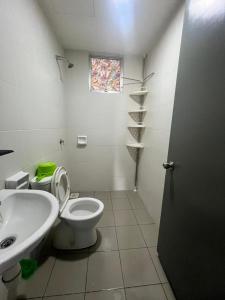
point(138, 123)
point(136, 145)
point(141, 110)
point(136, 126)
point(139, 93)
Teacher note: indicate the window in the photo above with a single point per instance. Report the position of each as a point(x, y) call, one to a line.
point(105, 74)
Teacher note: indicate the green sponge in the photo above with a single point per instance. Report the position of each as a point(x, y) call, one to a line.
point(45, 169)
point(28, 267)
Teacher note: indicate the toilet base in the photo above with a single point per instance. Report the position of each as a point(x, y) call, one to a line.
point(85, 239)
point(65, 238)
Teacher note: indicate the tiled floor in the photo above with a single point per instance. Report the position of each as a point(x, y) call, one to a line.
point(123, 265)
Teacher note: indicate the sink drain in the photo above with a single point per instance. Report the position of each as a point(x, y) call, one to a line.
point(7, 242)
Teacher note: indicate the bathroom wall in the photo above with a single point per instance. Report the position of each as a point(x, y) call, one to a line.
point(31, 93)
point(163, 60)
point(105, 164)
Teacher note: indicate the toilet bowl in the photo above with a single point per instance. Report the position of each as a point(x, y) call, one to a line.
point(82, 214)
point(77, 217)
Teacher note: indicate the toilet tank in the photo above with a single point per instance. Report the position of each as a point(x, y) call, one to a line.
point(18, 181)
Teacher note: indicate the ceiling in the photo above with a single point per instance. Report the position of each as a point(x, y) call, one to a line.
point(111, 26)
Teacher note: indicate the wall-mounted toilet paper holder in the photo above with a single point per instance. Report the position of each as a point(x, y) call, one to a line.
point(82, 140)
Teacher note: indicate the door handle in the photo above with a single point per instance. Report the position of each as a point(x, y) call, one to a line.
point(169, 165)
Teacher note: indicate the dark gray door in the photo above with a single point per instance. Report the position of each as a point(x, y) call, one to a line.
point(192, 230)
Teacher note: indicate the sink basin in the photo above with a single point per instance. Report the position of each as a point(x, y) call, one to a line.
point(25, 218)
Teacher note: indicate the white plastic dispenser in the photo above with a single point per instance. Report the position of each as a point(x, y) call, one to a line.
point(18, 181)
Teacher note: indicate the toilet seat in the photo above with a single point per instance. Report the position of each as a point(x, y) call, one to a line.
point(78, 216)
point(60, 187)
point(76, 209)
point(82, 209)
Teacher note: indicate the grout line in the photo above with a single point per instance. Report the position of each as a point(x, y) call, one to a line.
point(164, 290)
point(106, 226)
point(154, 264)
point(110, 199)
point(85, 288)
point(105, 290)
point(139, 226)
point(142, 285)
point(136, 218)
point(101, 290)
point(58, 295)
point(119, 209)
point(150, 254)
point(113, 250)
point(50, 275)
point(120, 258)
point(130, 225)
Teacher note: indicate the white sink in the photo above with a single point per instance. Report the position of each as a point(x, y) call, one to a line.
point(26, 216)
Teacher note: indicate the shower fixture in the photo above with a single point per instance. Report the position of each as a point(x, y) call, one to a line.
point(63, 58)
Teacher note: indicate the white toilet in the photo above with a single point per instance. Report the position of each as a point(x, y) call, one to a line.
point(77, 217)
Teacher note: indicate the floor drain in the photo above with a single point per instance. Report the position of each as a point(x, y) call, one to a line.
point(7, 242)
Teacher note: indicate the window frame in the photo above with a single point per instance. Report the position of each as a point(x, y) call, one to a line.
point(119, 58)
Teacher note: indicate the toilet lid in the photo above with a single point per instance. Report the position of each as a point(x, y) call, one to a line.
point(60, 186)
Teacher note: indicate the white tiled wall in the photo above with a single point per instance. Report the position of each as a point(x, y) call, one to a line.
point(163, 60)
point(105, 164)
point(31, 93)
